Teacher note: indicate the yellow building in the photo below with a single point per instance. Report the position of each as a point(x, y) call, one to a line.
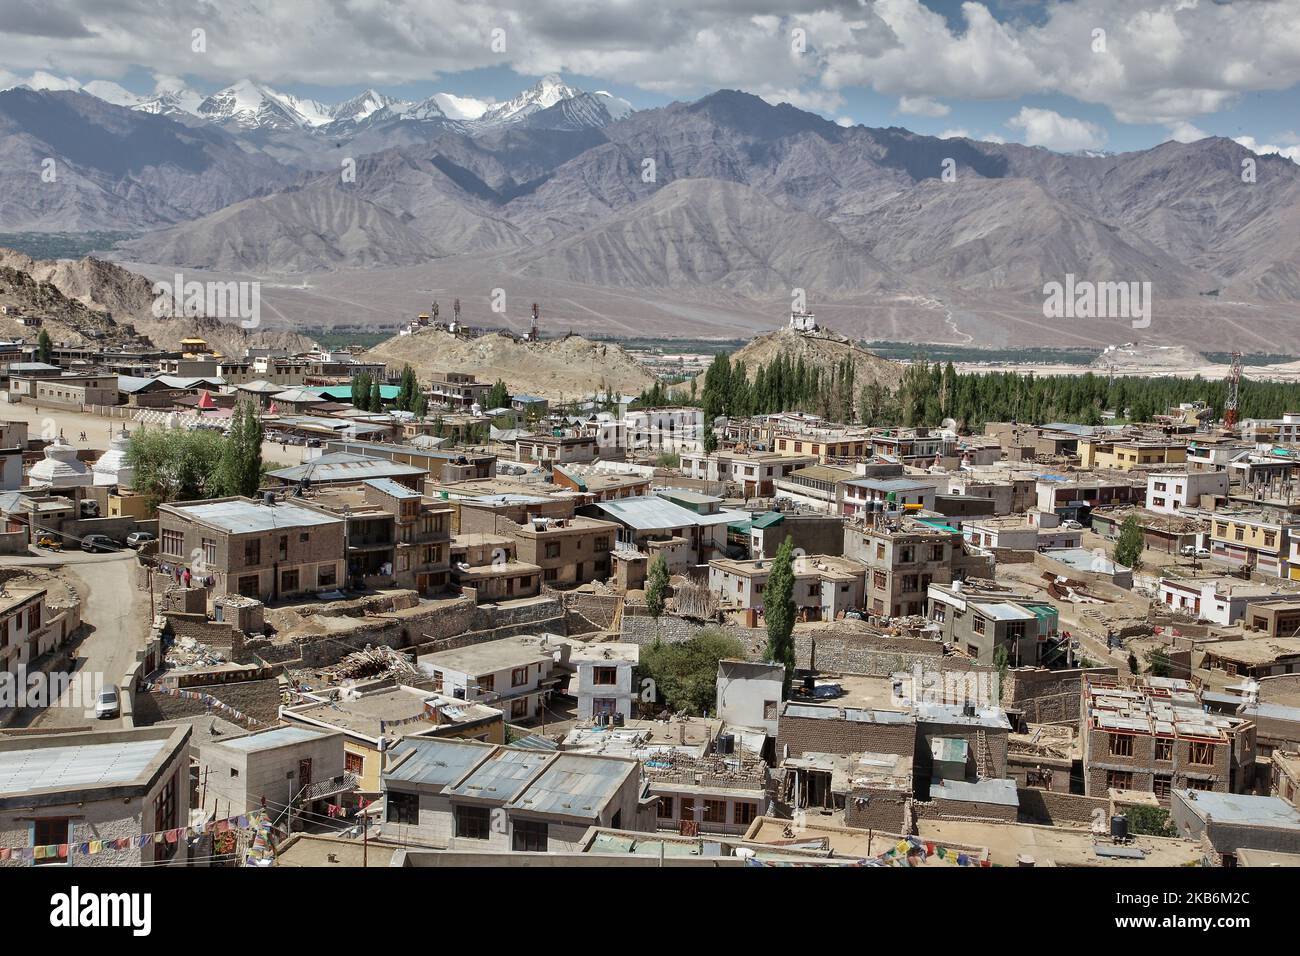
point(1127, 454)
point(1254, 539)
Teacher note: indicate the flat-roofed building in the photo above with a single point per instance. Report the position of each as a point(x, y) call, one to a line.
point(88, 799)
point(268, 551)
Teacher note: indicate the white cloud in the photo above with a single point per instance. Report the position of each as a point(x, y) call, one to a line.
point(1265, 149)
point(1050, 129)
point(922, 106)
point(1165, 61)
point(1183, 132)
point(955, 134)
point(846, 122)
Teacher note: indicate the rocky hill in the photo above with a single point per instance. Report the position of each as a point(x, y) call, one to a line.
point(824, 350)
point(89, 299)
point(559, 369)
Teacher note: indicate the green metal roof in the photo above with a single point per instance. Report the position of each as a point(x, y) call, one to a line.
point(344, 392)
point(767, 519)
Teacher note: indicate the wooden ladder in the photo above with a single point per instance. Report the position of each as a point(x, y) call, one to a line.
point(981, 754)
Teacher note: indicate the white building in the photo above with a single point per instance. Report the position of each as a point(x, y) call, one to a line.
point(1168, 492)
point(513, 674)
point(236, 773)
point(664, 429)
point(1220, 600)
point(603, 679)
point(749, 694)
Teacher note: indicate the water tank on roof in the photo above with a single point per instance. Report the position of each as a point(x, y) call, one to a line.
point(1119, 828)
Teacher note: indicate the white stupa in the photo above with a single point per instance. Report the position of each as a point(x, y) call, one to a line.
point(112, 469)
point(60, 468)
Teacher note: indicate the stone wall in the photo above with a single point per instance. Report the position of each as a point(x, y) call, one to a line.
point(259, 699)
point(1058, 809)
point(1047, 696)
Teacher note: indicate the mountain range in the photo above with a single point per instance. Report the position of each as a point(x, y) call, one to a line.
point(725, 195)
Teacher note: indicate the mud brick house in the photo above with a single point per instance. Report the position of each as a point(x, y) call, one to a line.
point(268, 550)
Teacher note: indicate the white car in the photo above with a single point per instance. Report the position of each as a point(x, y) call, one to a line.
point(107, 704)
point(1190, 552)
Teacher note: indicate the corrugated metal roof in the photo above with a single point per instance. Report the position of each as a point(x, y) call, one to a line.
point(436, 762)
point(341, 466)
point(390, 487)
point(1241, 808)
point(241, 517)
point(1000, 792)
point(501, 776)
point(574, 786)
point(76, 766)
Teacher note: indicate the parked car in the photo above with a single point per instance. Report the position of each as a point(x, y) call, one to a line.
point(313, 442)
point(108, 704)
point(137, 538)
point(98, 544)
point(1072, 525)
point(1190, 552)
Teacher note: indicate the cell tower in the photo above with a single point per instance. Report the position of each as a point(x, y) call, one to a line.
point(1233, 402)
point(532, 330)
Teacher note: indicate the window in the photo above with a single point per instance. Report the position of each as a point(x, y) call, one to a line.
point(519, 708)
point(550, 574)
point(746, 812)
point(604, 676)
point(1119, 780)
point(977, 624)
point(487, 684)
point(1164, 748)
point(353, 763)
point(252, 553)
point(936, 552)
point(249, 585)
point(403, 808)
point(1202, 754)
point(1121, 745)
point(326, 576)
point(769, 710)
point(715, 811)
point(289, 580)
point(165, 817)
point(34, 617)
point(1161, 785)
point(209, 551)
point(233, 773)
point(473, 823)
point(879, 581)
point(665, 808)
point(552, 549)
point(529, 837)
point(880, 552)
point(284, 547)
point(51, 831)
point(1194, 784)
point(519, 677)
point(173, 542)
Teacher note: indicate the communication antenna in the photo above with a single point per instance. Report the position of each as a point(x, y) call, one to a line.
point(1233, 402)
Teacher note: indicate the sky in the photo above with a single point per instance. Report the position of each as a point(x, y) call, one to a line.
point(1068, 75)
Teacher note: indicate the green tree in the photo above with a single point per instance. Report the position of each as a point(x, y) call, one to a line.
point(241, 458)
point(1133, 666)
point(656, 586)
point(778, 610)
point(420, 405)
point(177, 465)
point(1128, 546)
point(685, 673)
point(1002, 661)
point(361, 391)
point(1159, 664)
point(44, 347)
point(498, 396)
point(408, 389)
point(376, 403)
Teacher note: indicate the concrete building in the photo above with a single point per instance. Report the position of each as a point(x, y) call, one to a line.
point(665, 429)
point(86, 799)
point(824, 587)
point(1169, 492)
point(1255, 538)
point(475, 797)
point(755, 473)
point(1221, 600)
point(422, 535)
point(749, 694)
point(603, 680)
point(569, 551)
point(905, 556)
point(886, 495)
point(515, 674)
point(980, 622)
point(1227, 823)
point(1033, 531)
point(809, 533)
point(1128, 454)
point(296, 765)
point(268, 551)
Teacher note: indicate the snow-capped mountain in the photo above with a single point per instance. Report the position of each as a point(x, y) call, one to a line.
point(250, 105)
point(363, 106)
point(544, 94)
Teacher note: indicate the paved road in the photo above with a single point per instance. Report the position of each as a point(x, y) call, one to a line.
point(115, 618)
